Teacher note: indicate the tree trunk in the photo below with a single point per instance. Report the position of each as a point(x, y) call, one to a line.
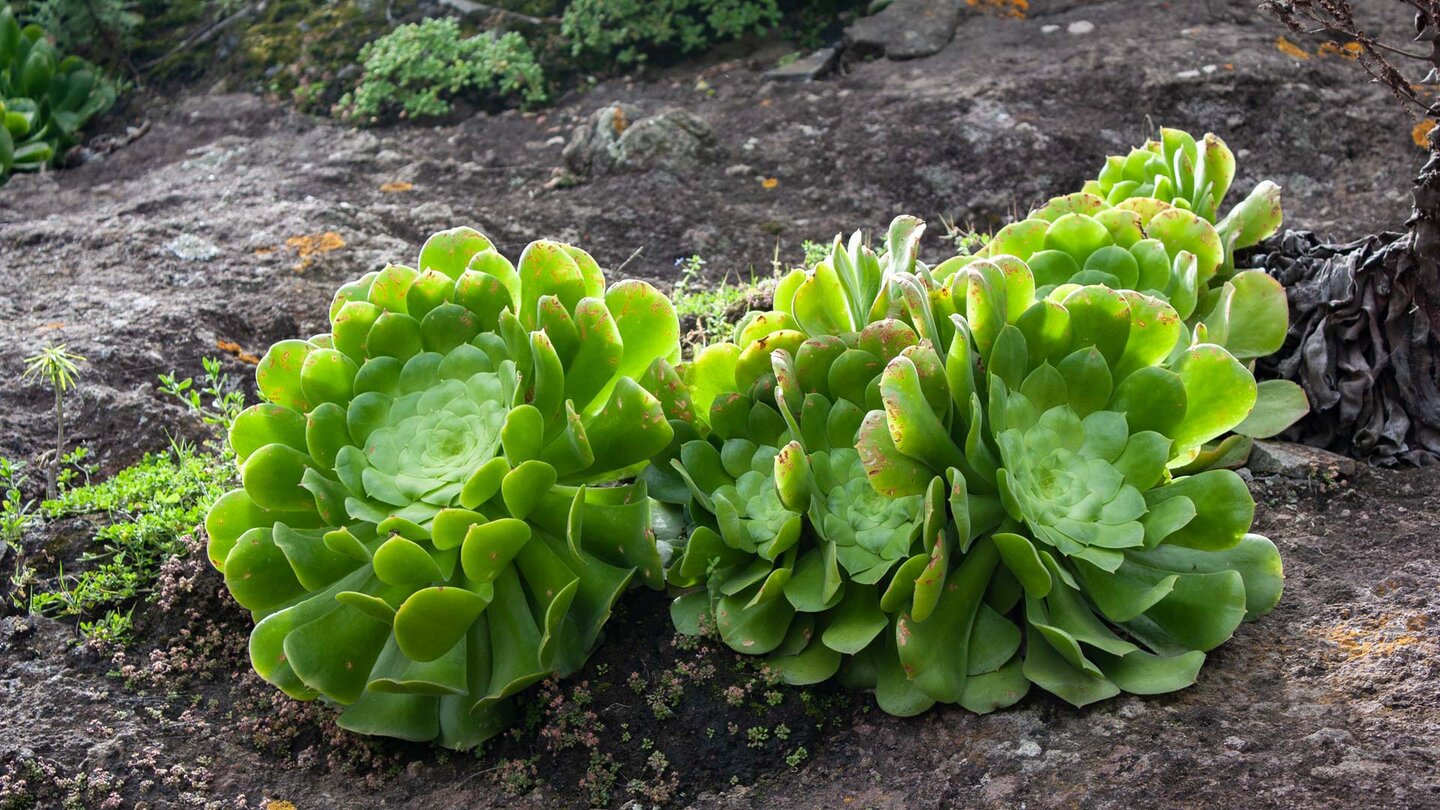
point(1419, 267)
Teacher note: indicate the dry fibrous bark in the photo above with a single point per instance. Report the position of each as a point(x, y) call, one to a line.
point(1362, 344)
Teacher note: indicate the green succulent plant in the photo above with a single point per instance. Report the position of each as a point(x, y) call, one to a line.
point(417, 534)
point(1149, 246)
point(1022, 518)
point(1195, 176)
point(1148, 224)
point(44, 99)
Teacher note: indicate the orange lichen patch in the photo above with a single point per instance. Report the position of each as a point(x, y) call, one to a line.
point(396, 187)
point(1015, 9)
point(1381, 636)
point(1350, 50)
point(620, 122)
point(234, 350)
point(279, 805)
point(1290, 49)
point(1420, 133)
point(770, 182)
point(311, 245)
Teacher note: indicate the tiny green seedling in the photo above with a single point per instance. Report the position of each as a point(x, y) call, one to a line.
point(57, 365)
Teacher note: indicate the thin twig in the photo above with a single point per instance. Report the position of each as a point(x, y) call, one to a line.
point(206, 34)
point(632, 258)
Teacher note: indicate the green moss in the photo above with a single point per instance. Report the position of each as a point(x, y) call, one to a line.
point(298, 49)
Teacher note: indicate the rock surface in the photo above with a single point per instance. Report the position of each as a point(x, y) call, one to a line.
point(1298, 461)
point(617, 139)
point(906, 29)
point(807, 68)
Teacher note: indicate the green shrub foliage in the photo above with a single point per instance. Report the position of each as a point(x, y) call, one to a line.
point(95, 27)
point(419, 69)
point(626, 31)
point(1027, 515)
point(44, 98)
point(417, 534)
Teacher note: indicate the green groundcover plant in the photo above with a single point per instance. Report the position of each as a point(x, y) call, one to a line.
point(418, 534)
point(627, 31)
point(419, 70)
point(949, 490)
point(45, 98)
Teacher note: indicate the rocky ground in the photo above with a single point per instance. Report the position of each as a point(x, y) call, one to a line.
point(231, 220)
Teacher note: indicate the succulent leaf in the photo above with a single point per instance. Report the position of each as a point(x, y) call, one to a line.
point(44, 99)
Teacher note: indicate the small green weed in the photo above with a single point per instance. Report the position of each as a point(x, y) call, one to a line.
point(14, 508)
point(149, 508)
point(713, 309)
point(213, 398)
point(815, 252)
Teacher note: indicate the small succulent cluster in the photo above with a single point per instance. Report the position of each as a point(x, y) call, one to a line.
point(945, 484)
point(44, 98)
point(417, 534)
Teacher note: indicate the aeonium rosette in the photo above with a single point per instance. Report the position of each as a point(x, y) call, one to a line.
point(418, 534)
point(1026, 518)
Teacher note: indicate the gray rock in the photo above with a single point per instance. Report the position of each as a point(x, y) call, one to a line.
point(807, 68)
point(616, 139)
point(1298, 461)
point(907, 29)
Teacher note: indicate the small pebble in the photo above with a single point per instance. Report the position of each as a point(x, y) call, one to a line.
point(193, 248)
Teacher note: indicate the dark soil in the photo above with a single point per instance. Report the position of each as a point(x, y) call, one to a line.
point(1330, 701)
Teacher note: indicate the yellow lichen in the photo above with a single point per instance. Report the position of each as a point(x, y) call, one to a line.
point(234, 350)
point(1015, 9)
point(1350, 50)
point(1289, 48)
point(1381, 636)
point(396, 187)
point(309, 246)
point(1420, 133)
